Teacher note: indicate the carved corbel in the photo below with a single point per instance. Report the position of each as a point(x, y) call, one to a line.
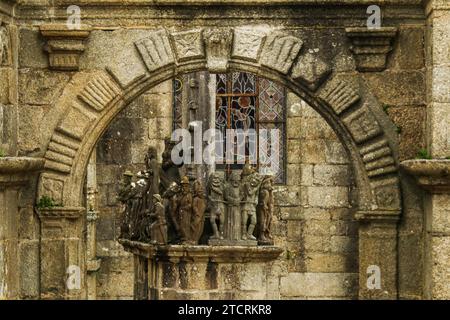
point(218, 47)
point(370, 47)
point(64, 45)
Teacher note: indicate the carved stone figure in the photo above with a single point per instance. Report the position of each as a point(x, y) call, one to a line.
point(233, 198)
point(216, 205)
point(137, 212)
point(217, 43)
point(4, 45)
point(125, 195)
point(198, 212)
point(171, 212)
point(265, 211)
point(152, 170)
point(184, 212)
point(158, 228)
point(250, 189)
point(169, 172)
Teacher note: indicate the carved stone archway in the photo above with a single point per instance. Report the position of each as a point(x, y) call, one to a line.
point(90, 103)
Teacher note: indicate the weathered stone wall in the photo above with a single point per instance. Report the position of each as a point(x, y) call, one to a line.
point(27, 116)
point(145, 122)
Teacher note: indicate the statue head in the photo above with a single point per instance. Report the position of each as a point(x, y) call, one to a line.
point(198, 187)
point(267, 183)
point(157, 197)
point(235, 179)
point(215, 178)
point(127, 176)
point(185, 186)
point(247, 170)
point(151, 154)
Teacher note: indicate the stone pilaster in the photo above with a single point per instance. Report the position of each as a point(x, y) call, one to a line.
point(62, 253)
point(434, 177)
point(438, 77)
point(15, 176)
point(378, 255)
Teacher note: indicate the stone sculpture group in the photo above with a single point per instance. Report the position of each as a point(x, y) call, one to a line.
point(162, 207)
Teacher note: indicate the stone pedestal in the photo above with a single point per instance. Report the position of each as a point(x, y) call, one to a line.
point(62, 253)
point(434, 177)
point(16, 173)
point(200, 272)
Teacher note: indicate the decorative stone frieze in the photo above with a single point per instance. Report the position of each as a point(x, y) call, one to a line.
point(370, 47)
point(64, 46)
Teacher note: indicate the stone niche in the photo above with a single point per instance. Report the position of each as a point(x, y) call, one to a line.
point(195, 272)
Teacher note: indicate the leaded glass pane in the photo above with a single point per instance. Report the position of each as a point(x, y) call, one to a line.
point(221, 84)
point(271, 150)
point(242, 115)
point(271, 101)
point(178, 103)
point(243, 83)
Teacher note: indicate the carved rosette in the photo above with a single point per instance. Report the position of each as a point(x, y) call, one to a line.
point(371, 47)
point(64, 46)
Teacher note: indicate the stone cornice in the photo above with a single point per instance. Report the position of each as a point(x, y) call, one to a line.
point(370, 47)
point(64, 45)
point(60, 212)
point(10, 165)
point(18, 170)
point(431, 175)
point(175, 253)
point(386, 217)
point(225, 2)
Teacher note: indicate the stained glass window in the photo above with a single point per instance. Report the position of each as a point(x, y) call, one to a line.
point(245, 101)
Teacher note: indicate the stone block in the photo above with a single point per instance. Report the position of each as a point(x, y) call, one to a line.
point(317, 227)
point(306, 172)
point(313, 243)
point(31, 119)
point(438, 116)
point(331, 175)
point(293, 128)
point(293, 174)
point(344, 244)
point(331, 262)
point(335, 152)
point(409, 87)
point(313, 151)
point(41, 87)
point(53, 272)
point(287, 196)
point(328, 197)
point(29, 269)
point(410, 54)
point(31, 49)
point(438, 211)
point(411, 128)
point(319, 285)
point(29, 223)
point(440, 276)
point(294, 151)
point(4, 88)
